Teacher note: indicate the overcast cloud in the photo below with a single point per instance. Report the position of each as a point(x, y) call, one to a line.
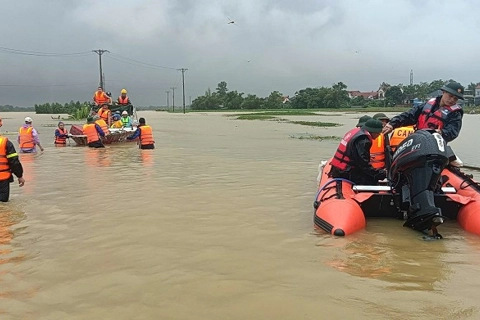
point(273, 45)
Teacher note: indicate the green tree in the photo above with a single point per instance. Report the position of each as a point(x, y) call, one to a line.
point(221, 90)
point(395, 95)
point(233, 100)
point(274, 101)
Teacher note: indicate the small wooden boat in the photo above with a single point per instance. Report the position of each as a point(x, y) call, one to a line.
point(115, 136)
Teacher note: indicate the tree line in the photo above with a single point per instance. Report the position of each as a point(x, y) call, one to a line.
point(57, 108)
point(335, 96)
point(10, 108)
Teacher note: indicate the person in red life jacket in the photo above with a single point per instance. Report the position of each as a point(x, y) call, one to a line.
point(352, 158)
point(441, 114)
point(100, 97)
point(9, 163)
point(145, 133)
point(93, 133)
point(105, 114)
point(61, 134)
point(123, 99)
point(28, 137)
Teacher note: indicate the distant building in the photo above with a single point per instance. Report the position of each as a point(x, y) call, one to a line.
point(477, 91)
point(367, 95)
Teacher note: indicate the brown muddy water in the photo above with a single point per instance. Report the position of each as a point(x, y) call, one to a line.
point(215, 223)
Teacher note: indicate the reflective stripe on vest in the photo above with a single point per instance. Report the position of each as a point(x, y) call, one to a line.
point(122, 100)
point(90, 131)
point(61, 140)
point(125, 121)
point(399, 134)
point(4, 167)
point(103, 125)
point(100, 97)
point(377, 153)
point(146, 135)
point(342, 158)
point(26, 138)
point(437, 119)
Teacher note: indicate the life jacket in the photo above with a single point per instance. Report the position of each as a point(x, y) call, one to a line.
point(146, 135)
point(399, 134)
point(103, 125)
point(100, 97)
point(104, 114)
point(90, 131)
point(438, 118)
point(342, 157)
point(377, 153)
point(26, 138)
point(5, 172)
point(123, 101)
point(126, 121)
point(61, 140)
point(117, 124)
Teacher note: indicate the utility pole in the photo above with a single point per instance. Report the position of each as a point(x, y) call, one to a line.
point(168, 99)
point(173, 98)
point(411, 77)
point(183, 86)
point(100, 52)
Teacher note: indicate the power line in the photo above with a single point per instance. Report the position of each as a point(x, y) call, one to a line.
point(42, 54)
point(125, 59)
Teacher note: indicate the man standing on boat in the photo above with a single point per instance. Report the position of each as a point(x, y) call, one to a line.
point(28, 137)
point(352, 158)
point(9, 163)
point(441, 114)
point(145, 134)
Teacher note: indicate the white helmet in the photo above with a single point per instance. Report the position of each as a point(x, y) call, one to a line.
point(28, 119)
point(124, 113)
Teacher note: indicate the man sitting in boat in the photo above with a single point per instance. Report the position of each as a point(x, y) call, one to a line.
point(145, 133)
point(352, 158)
point(362, 120)
point(126, 120)
point(105, 114)
point(117, 123)
point(93, 133)
point(123, 99)
point(100, 97)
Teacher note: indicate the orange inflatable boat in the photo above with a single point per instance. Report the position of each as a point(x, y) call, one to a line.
point(422, 189)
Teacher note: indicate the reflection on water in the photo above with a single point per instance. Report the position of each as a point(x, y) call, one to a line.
point(215, 223)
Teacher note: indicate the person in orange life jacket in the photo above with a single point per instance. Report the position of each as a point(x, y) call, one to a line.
point(28, 137)
point(93, 133)
point(378, 151)
point(145, 134)
point(61, 134)
point(105, 114)
point(362, 120)
point(398, 135)
point(9, 163)
point(441, 114)
point(100, 97)
point(352, 158)
point(123, 99)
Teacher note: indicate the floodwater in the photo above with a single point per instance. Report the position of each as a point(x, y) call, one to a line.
point(215, 223)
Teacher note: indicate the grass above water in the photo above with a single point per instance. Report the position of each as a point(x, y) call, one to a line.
point(272, 115)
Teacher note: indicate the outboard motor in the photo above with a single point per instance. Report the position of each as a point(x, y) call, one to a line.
point(416, 168)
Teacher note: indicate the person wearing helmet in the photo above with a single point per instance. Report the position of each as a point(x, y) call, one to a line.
point(28, 137)
point(126, 120)
point(441, 114)
point(100, 97)
point(123, 99)
point(117, 123)
point(11, 166)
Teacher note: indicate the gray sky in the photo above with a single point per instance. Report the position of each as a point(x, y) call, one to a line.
point(282, 45)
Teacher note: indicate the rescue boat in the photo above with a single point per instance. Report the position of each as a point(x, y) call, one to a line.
point(423, 189)
point(116, 135)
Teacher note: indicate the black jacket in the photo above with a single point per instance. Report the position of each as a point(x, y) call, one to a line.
point(451, 128)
